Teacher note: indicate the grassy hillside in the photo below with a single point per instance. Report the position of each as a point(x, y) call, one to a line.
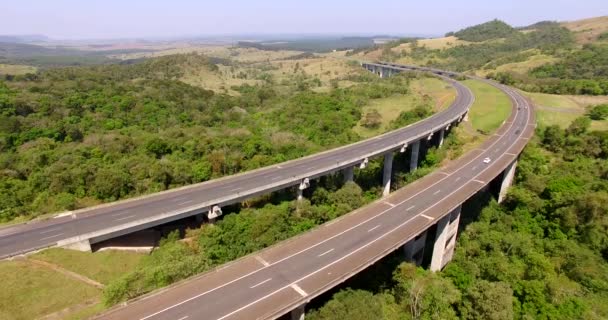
point(588, 30)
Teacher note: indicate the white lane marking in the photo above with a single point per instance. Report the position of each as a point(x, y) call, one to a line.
point(457, 179)
point(298, 290)
point(478, 181)
point(185, 202)
point(125, 218)
point(235, 189)
point(410, 208)
point(275, 178)
point(262, 261)
point(390, 204)
point(261, 283)
point(425, 216)
point(310, 168)
point(49, 231)
point(511, 154)
point(315, 245)
point(178, 199)
point(183, 318)
point(374, 228)
point(119, 213)
point(326, 252)
point(53, 236)
point(436, 192)
point(474, 168)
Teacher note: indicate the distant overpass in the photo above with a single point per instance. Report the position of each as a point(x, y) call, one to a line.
point(79, 229)
point(281, 279)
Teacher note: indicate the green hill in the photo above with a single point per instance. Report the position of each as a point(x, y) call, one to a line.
point(490, 30)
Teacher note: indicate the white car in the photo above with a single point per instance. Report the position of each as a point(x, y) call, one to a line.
point(487, 160)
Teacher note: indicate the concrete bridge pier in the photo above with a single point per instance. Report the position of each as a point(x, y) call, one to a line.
point(441, 136)
point(445, 239)
point(507, 180)
point(414, 249)
point(303, 186)
point(414, 159)
point(348, 174)
point(84, 245)
point(298, 313)
point(387, 174)
point(213, 213)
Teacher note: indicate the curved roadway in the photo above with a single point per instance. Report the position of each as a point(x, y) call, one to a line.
point(111, 220)
point(278, 279)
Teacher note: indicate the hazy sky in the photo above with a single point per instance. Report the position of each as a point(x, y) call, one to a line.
point(141, 18)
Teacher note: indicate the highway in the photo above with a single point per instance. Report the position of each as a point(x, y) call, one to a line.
point(110, 220)
point(273, 281)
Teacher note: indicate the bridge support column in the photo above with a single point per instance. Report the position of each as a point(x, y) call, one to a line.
point(466, 117)
point(84, 245)
point(445, 240)
point(388, 172)
point(414, 249)
point(349, 174)
point(414, 159)
point(441, 135)
point(303, 185)
point(507, 181)
point(298, 313)
point(213, 213)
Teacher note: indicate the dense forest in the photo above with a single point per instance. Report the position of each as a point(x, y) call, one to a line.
point(73, 137)
point(542, 254)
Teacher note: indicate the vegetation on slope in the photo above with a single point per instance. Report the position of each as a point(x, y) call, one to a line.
point(490, 30)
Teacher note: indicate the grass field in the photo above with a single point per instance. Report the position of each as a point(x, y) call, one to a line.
point(490, 109)
point(31, 291)
point(561, 110)
point(522, 67)
point(16, 69)
point(100, 266)
point(389, 108)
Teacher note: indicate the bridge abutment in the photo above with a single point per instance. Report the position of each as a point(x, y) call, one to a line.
point(84, 245)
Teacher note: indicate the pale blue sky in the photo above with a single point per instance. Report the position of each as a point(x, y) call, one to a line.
point(141, 18)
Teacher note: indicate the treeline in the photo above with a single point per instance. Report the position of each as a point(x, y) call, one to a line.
point(541, 255)
point(74, 137)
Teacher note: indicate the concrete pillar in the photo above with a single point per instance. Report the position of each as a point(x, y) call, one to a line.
point(303, 185)
point(213, 213)
point(445, 240)
point(414, 159)
point(83, 245)
point(466, 117)
point(507, 181)
point(441, 135)
point(414, 249)
point(349, 174)
point(298, 313)
point(388, 172)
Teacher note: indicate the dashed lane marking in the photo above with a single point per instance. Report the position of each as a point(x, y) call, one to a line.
point(326, 252)
point(261, 283)
point(390, 204)
point(479, 181)
point(374, 228)
point(410, 208)
point(53, 236)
